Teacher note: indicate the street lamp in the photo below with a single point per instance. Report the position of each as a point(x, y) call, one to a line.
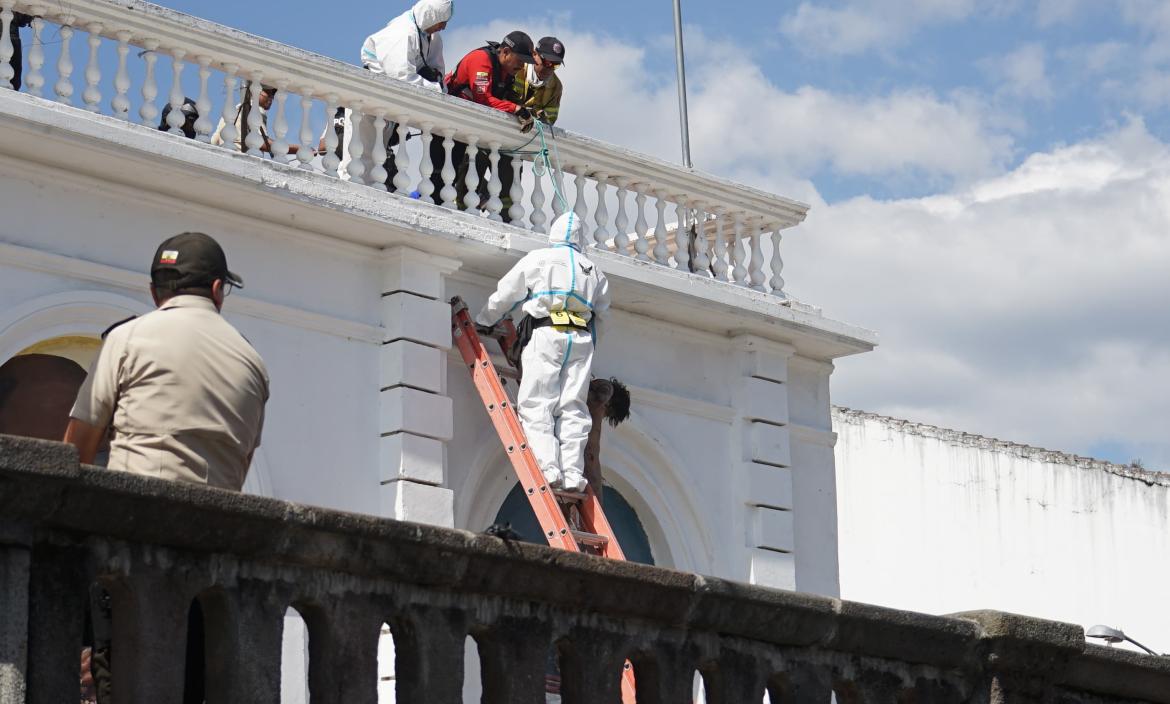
point(1113, 635)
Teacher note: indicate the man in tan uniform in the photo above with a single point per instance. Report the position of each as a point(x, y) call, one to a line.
point(182, 388)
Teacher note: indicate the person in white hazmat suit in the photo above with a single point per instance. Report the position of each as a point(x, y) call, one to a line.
point(567, 298)
point(408, 49)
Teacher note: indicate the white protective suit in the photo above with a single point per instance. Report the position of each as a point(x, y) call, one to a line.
point(399, 50)
point(557, 361)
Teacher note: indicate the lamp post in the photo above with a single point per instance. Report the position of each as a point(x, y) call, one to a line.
point(682, 84)
point(1113, 635)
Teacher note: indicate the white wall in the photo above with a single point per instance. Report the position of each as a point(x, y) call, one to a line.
point(939, 521)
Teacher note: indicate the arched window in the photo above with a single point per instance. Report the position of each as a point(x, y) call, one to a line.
point(622, 518)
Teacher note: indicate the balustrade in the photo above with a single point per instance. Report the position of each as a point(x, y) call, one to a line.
point(692, 214)
point(160, 546)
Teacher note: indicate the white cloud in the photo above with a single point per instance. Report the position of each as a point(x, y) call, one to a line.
point(859, 26)
point(1023, 72)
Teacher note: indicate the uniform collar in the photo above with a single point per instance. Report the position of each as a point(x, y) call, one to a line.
point(186, 301)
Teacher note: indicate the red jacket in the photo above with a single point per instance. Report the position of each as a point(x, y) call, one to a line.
point(480, 79)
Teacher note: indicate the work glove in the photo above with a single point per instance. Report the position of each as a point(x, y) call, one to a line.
point(524, 116)
point(542, 116)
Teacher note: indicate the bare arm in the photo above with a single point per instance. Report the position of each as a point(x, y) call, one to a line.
point(87, 438)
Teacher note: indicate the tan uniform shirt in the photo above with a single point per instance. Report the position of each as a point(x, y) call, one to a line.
point(185, 394)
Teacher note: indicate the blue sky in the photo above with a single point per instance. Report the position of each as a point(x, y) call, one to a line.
point(988, 180)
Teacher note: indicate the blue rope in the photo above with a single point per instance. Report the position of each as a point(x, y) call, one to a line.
point(559, 174)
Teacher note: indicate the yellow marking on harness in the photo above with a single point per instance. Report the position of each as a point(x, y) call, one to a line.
point(564, 317)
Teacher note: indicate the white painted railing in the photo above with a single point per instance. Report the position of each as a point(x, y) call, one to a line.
point(632, 203)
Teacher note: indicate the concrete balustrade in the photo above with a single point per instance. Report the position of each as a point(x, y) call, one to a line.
point(588, 176)
point(156, 546)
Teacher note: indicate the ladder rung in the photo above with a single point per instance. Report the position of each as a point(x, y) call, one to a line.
point(570, 497)
point(590, 539)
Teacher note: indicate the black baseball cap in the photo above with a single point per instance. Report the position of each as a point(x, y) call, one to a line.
point(551, 49)
point(197, 257)
point(520, 43)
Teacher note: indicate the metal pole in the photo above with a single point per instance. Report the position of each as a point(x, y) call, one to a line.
point(682, 84)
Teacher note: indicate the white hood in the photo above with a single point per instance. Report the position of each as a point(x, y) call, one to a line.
point(567, 230)
point(428, 13)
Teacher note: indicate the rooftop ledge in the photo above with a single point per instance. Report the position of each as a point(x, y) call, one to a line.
point(247, 558)
point(720, 272)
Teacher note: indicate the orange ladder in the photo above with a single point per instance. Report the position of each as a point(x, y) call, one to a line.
point(552, 508)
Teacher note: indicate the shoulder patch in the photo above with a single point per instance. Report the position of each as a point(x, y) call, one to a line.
point(120, 322)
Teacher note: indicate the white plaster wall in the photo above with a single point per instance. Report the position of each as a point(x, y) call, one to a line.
point(938, 521)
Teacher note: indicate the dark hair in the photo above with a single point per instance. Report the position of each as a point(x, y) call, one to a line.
point(163, 277)
point(618, 408)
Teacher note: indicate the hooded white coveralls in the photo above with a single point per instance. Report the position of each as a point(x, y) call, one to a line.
point(399, 50)
point(558, 360)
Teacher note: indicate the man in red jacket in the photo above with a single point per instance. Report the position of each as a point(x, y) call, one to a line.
point(486, 76)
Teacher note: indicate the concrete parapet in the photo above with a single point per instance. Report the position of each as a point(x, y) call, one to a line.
point(157, 545)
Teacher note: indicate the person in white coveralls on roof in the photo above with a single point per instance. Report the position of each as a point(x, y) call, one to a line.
point(565, 298)
point(408, 49)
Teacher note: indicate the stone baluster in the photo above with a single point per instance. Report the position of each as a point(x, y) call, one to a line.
point(402, 159)
point(120, 103)
point(148, 112)
point(343, 666)
point(92, 95)
point(601, 233)
point(448, 193)
point(203, 123)
point(378, 173)
point(513, 655)
point(329, 161)
point(516, 210)
point(356, 167)
point(34, 81)
point(719, 264)
point(777, 282)
point(559, 203)
point(63, 88)
point(494, 184)
point(229, 134)
point(538, 217)
point(641, 227)
point(254, 139)
point(621, 237)
point(702, 262)
point(591, 664)
point(661, 249)
point(580, 207)
point(426, 167)
point(471, 199)
point(682, 235)
point(429, 641)
point(739, 270)
point(7, 49)
point(308, 146)
point(756, 264)
point(175, 117)
point(280, 124)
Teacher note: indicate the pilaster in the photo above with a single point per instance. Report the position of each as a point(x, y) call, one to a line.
point(416, 414)
point(763, 461)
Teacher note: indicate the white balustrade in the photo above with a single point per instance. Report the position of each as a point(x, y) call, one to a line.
point(682, 235)
point(621, 223)
point(175, 117)
point(7, 50)
point(719, 228)
point(147, 112)
point(92, 95)
point(308, 148)
point(601, 233)
point(538, 217)
point(471, 181)
point(426, 167)
point(448, 193)
point(738, 254)
point(641, 246)
point(777, 282)
point(494, 184)
point(120, 103)
point(203, 123)
point(35, 79)
point(280, 123)
point(661, 248)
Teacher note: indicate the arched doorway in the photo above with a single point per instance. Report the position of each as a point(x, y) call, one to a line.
point(622, 518)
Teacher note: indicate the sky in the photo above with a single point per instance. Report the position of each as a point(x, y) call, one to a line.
point(988, 179)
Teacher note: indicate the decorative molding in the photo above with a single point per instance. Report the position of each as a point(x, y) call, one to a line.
point(82, 270)
point(681, 404)
point(812, 436)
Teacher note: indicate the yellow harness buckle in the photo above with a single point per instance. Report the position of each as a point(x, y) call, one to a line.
point(564, 317)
